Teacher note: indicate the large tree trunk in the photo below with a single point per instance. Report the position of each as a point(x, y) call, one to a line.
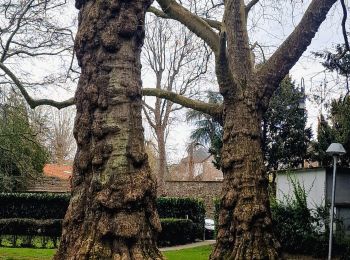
point(112, 213)
point(245, 228)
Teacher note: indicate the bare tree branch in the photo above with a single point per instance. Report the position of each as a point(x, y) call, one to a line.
point(343, 25)
point(279, 64)
point(210, 109)
point(149, 120)
point(18, 26)
point(148, 106)
point(35, 102)
point(261, 50)
point(33, 54)
point(250, 6)
point(158, 12)
point(193, 22)
point(213, 23)
point(31, 33)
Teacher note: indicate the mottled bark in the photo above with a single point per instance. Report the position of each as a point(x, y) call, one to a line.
point(245, 226)
point(237, 40)
point(112, 213)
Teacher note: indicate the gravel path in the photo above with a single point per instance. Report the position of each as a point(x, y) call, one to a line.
point(201, 243)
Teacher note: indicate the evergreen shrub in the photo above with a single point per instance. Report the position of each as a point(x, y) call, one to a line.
point(176, 232)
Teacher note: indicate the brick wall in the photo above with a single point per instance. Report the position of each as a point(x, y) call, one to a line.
point(206, 190)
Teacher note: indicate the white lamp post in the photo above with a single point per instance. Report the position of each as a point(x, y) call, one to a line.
point(335, 149)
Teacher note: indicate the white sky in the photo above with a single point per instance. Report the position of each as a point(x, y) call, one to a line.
point(270, 32)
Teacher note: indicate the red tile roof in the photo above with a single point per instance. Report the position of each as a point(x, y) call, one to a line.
point(63, 172)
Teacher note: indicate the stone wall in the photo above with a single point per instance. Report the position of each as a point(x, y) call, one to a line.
point(206, 190)
point(49, 184)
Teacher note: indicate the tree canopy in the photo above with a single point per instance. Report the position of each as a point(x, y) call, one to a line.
point(336, 129)
point(208, 131)
point(335, 126)
point(22, 156)
point(285, 134)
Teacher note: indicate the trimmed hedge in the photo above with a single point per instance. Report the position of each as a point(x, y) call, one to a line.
point(176, 232)
point(33, 205)
point(181, 208)
point(184, 208)
point(26, 213)
point(54, 206)
point(31, 227)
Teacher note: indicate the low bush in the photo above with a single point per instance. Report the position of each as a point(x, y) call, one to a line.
point(304, 231)
point(184, 208)
point(176, 232)
point(181, 208)
point(293, 221)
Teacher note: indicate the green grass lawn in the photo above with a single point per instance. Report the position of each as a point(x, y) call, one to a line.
point(197, 253)
point(25, 253)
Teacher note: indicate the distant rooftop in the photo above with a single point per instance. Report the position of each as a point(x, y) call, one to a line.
point(199, 155)
point(63, 172)
point(56, 179)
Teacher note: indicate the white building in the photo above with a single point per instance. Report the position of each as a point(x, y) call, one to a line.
point(317, 183)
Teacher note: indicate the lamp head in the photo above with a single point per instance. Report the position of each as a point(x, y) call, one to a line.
point(336, 149)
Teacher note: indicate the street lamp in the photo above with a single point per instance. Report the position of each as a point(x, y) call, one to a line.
point(335, 149)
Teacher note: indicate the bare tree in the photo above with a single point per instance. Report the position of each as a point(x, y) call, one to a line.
point(33, 34)
point(112, 212)
point(61, 141)
point(54, 129)
point(245, 226)
point(179, 70)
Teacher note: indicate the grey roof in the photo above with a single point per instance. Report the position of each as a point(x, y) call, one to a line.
point(199, 155)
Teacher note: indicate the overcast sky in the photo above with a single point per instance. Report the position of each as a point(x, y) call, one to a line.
point(269, 29)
